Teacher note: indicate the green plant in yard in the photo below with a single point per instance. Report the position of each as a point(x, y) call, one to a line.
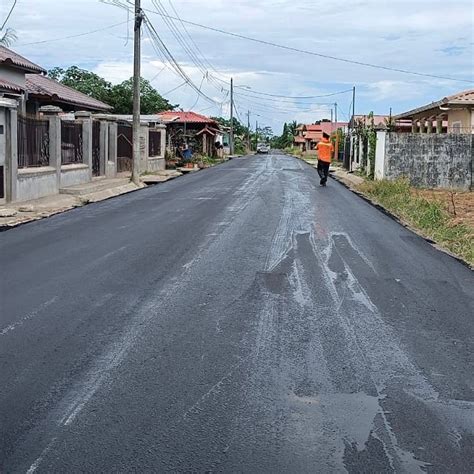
point(427, 216)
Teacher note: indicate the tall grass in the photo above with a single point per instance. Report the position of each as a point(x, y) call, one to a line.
point(425, 215)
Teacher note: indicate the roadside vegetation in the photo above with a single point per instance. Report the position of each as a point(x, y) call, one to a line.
point(446, 217)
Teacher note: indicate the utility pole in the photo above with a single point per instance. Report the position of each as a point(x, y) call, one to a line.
point(231, 116)
point(256, 134)
point(248, 130)
point(331, 116)
point(136, 92)
point(352, 128)
point(336, 148)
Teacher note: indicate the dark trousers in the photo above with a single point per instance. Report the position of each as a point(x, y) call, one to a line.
point(323, 171)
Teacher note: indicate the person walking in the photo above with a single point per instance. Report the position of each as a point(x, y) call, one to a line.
point(325, 151)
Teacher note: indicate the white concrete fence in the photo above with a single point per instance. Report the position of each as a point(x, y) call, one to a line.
point(94, 156)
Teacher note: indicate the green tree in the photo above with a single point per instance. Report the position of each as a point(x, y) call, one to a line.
point(151, 101)
point(83, 81)
point(119, 96)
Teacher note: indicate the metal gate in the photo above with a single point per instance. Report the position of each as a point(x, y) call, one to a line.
point(124, 147)
point(95, 148)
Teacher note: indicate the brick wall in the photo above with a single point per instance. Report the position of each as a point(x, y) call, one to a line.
point(430, 160)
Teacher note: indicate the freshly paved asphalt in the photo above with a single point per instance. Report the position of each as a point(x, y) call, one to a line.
point(241, 319)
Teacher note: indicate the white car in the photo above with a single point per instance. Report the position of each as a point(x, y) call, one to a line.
point(263, 148)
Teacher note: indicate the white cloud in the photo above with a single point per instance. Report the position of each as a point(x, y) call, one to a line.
point(402, 34)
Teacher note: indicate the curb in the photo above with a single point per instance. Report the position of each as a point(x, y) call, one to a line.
point(394, 217)
point(7, 227)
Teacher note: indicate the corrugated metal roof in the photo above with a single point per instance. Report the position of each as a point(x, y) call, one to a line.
point(10, 86)
point(43, 86)
point(9, 57)
point(185, 117)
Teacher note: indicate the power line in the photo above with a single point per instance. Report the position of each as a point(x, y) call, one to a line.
point(175, 88)
point(9, 14)
point(314, 53)
point(158, 44)
point(75, 36)
point(253, 91)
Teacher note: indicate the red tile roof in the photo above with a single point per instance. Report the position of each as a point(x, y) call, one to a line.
point(330, 127)
point(299, 139)
point(10, 58)
point(185, 117)
point(314, 135)
point(45, 87)
point(464, 97)
point(10, 86)
point(313, 128)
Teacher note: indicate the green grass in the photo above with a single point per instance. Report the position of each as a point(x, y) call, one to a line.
point(427, 216)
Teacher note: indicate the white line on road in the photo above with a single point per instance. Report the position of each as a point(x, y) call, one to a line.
point(29, 316)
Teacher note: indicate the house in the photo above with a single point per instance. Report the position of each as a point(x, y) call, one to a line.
point(26, 82)
point(197, 131)
point(13, 71)
point(43, 90)
point(308, 136)
point(457, 110)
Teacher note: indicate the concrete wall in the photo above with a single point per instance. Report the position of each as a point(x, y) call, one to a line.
point(74, 174)
point(429, 160)
point(13, 75)
point(156, 164)
point(459, 115)
point(33, 183)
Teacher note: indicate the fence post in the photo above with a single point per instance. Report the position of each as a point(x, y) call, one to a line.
point(104, 147)
point(86, 119)
point(11, 154)
point(111, 166)
point(144, 141)
point(52, 114)
point(379, 172)
point(162, 129)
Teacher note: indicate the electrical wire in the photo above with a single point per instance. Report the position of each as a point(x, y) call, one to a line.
point(321, 55)
point(9, 14)
point(157, 41)
point(75, 36)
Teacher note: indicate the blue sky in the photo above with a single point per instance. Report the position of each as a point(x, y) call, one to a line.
point(429, 36)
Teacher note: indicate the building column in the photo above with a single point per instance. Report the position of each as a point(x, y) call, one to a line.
point(414, 126)
point(429, 128)
point(422, 125)
point(439, 124)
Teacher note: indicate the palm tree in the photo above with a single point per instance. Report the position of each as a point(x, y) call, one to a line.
point(7, 37)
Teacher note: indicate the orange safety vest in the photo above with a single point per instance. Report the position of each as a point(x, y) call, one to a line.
point(325, 150)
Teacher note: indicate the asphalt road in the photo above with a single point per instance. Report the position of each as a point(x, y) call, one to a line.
point(240, 319)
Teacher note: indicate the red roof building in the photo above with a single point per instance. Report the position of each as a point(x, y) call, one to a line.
point(185, 117)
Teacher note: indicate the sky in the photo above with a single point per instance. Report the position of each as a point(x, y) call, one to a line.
point(428, 36)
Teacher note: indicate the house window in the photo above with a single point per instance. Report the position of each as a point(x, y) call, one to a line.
point(456, 127)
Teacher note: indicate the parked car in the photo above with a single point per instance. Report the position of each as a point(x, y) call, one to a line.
point(263, 148)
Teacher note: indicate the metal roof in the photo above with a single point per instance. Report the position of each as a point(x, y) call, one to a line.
point(10, 58)
point(45, 87)
point(464, 98)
